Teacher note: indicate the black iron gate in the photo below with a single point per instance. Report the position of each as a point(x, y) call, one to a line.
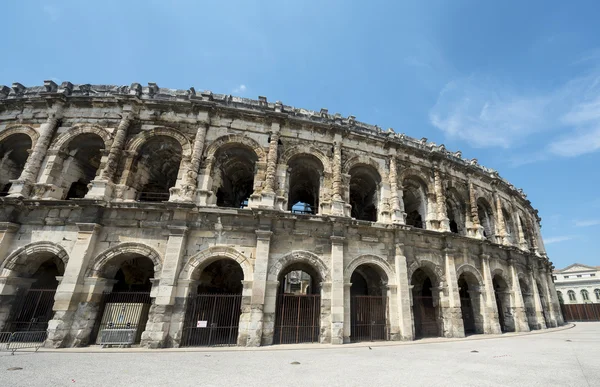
point(368, 318)
point(122, 310)
point(32, 311)
point(298, 319)
point(426, 324)
point(468, 316)
point(212, 320)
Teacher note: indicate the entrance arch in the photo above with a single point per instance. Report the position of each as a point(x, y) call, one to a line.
point(214, 305)
point(368, 304)
point(298, 307)
point(470, 302)
point(502, 293)
point(425, 303)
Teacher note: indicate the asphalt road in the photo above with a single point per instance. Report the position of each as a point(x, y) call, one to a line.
point(560, 358)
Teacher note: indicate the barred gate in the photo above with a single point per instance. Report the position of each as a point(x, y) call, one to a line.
point(32, 311)
point(426, 324)
point(368, 318)
point(466, 308)
point(211, 320)
point(120, 311)
point(298, 319)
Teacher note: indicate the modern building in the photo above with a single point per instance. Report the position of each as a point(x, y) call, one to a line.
point(178, 215)
point(578, 284)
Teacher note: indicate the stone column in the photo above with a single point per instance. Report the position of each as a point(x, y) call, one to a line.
point(476, 229)
point(522, 242)
point(347, 312)
point(442, 212)
point(187, 191)
point(554, 297)
point(268, 193)
point(551, 312)
point(490, 313)
point(102, 187)
point(337, 202)
point(450, 304)
point(404, 292)
point(269, 311)
point(537, 303)
point(393, 322)
point(519, 313)
point(254, 330)
point(157, 328)
point(397, 213)
point(500, 225)
point(7, 233)
point(337, 289)
point(23, 185)
point(68, 328)
point(122, 190)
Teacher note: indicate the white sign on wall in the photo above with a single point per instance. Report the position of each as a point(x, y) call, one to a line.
point(201, 324)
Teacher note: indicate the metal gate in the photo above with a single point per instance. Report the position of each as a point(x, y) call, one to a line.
point(212, 320)
point(298, 319)
point(426, 324)
point(367, 318)
point(466, 308)
point(122, 311)
point(32, 311)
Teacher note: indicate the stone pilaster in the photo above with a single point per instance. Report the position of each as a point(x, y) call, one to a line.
point(520, 316)
point(551, 313)
point(337, 289)
point(442, 212)
point(404, 292)
point(450, 304)
point(254, 329)
point(186, 192)
point(102, 187)
point(157, 330)
point(338, 207)
point(347, 311)
point(522, 241)
point(23, 185)
point(476, 229)
point(398, 215)
point(537, 303)
point(500, 224)
point(268, 195)
point(63, 330)
point(554, 297)
point(490, 312)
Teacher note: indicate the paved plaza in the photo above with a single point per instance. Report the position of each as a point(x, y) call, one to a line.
point(558, 357)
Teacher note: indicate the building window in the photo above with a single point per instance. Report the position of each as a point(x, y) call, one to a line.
point(592, 275)
point(560, 298)
point(571, 294)
point(585, 295)
point(566, 276)
point(578, 275)
point(554, 277)
point(597, 291)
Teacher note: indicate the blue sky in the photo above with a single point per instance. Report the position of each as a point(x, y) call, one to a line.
point(515, 84)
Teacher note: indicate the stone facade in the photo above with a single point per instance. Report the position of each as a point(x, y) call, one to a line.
point(96, 175)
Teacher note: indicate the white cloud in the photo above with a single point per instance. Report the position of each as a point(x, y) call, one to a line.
point(240, 89)
point(587, 223)
point(51, 11)
point(558, 239)
point(488, 113)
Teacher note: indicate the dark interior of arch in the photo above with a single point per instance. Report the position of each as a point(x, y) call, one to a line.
point(363, 193)
point(46, 273)
point(414, 203)
point(509, 225)
point(133, 273)
point(499, 283)
point(455, 211)
point(305, 181)
point(526, 232)
point(223, 276)
point(466, 282)
point(13, 156)
point(82, 163)
point(367, 281)
point(156, 168)
point(234, 177)
point(486, 218)
point(299, 273)
point(523, 285)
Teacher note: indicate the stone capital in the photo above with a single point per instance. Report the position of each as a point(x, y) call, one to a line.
point(177, 230)
point(337, 240)
point(263, 235)
point(88, 228)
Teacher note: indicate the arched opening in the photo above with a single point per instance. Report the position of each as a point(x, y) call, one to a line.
point(526, 233)
point(298, 315)
point(502, 292)
point(213, 311)
point(529, 304)
point(470, 303)
point(425, 304)
point(486, 219)
point(305, 173)
point(233, 175)
point(509, 225)
point(572, 297)
point(80, 165)
point(32, 306)
point(415, 202)
point(368, 304)
point(596, 293)
point(456, 210)
point(364, 192)
point(561, 300)
point(14, 151)
point(123, 311)
point(156, 168)
point(544, 302)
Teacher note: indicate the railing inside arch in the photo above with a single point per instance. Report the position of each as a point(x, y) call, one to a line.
point(211, 320)
point(298, 319)
point(367, 318)
point(32, 311)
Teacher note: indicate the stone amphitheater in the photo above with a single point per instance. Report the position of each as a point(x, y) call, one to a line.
point(170, 218)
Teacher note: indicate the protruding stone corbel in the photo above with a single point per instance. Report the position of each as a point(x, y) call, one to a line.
point(19, 89)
